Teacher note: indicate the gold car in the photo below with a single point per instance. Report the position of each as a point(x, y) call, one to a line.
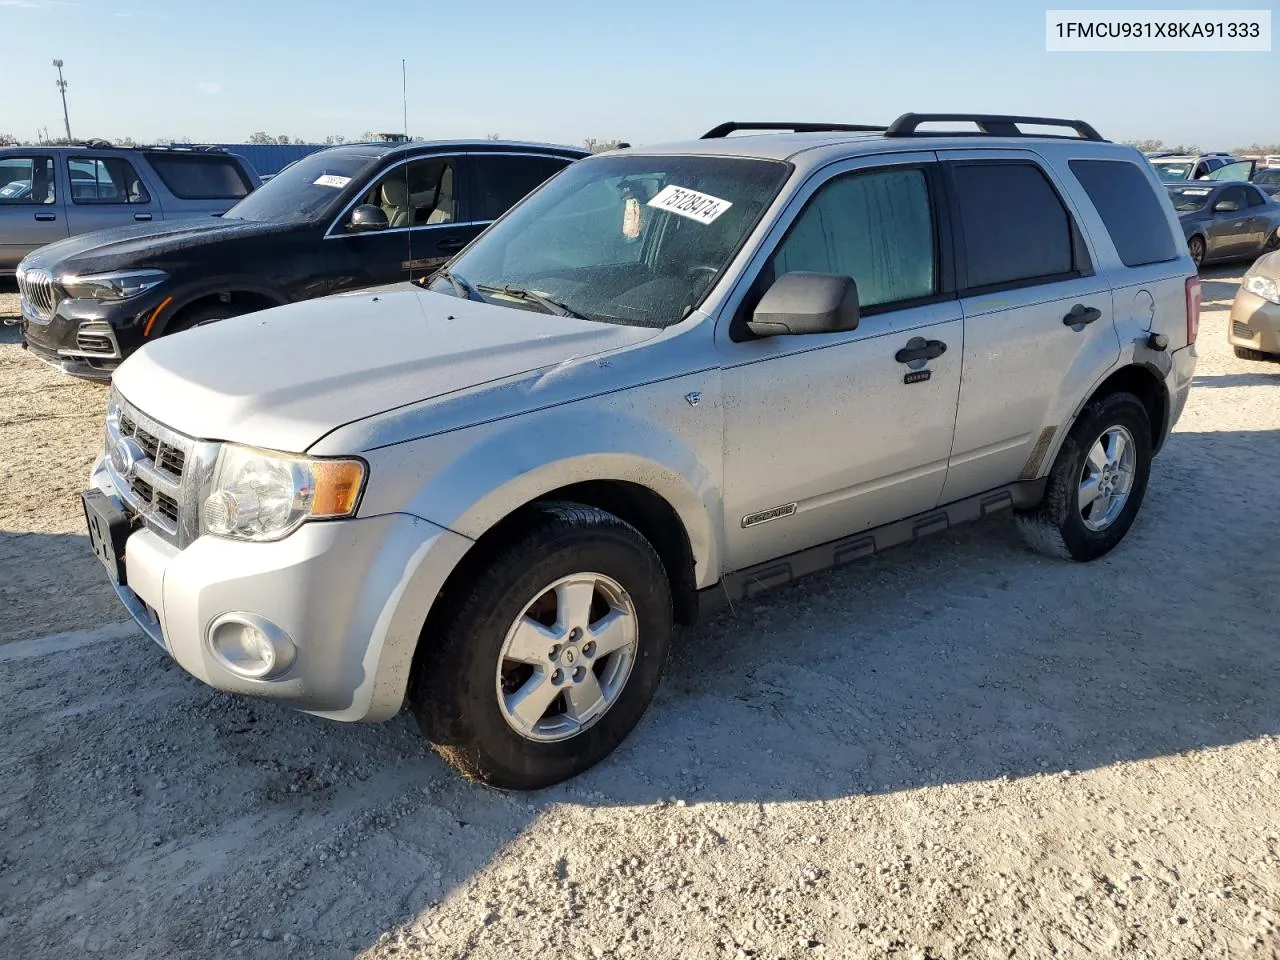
point(1255, 312)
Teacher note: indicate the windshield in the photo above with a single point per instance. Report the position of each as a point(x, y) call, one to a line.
point(622, 238)
point(1186, 199)
point(1171, 171)
point(304, 190)
point(1269, 177)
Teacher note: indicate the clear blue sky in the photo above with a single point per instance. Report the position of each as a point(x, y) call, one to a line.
point(559, 70)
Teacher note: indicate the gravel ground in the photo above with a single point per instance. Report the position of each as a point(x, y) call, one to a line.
point(955, 750)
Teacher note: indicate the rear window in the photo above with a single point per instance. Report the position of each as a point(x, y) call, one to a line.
point(1132, 213)
point(1016, 231)
point(201, 177)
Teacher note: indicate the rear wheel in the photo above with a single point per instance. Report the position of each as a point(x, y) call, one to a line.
point(1195, 247)
point(551, 656)
point(1097, 482)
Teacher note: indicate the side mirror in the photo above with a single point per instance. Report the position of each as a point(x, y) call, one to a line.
point(1225, 206)
point(366, 217)
point(806, 303)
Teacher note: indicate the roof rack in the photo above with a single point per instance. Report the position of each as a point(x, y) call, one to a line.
point(732, 126)
point(989, 124)
point(184, 147)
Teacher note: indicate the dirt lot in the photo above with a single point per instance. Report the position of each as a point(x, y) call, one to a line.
point(958, 750)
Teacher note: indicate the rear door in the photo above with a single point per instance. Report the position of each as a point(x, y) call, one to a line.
point(1259, 221)
point(106, 191)
point(1037, 317)
point(31, 209)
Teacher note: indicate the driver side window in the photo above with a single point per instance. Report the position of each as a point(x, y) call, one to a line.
point(1233, 195)
point(416, 194)
point(876, 227)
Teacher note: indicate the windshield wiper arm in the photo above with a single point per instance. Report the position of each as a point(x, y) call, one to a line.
point(461, 288)
point(546, 303)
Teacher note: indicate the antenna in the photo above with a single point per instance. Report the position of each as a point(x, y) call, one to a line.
point(404, 101)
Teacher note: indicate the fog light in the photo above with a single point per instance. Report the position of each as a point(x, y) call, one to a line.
point(251, 646)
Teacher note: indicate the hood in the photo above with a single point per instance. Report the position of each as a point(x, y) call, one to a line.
point(143, 244)
point(285, 377)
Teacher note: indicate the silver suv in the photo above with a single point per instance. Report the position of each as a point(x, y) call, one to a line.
point(671, 377)
point(49, 193)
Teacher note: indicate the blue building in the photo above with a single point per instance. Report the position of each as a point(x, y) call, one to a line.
point(270, 158)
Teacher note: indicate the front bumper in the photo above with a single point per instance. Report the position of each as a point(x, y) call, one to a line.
point(90, 338)
point(353, 596)
point(1255, 323)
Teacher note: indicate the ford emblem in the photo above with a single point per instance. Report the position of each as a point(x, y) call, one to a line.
point(125, 456)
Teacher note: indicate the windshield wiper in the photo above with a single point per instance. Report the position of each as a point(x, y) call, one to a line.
point(461, 289)
point(546, 303)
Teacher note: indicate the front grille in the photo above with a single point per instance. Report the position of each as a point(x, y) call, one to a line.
point(159, 474)
point(38, 290)
point(1241, 330)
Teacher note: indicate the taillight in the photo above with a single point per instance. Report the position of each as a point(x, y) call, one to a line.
point(1193, 308)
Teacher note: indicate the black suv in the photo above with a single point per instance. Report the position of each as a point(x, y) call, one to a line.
point(342, 218)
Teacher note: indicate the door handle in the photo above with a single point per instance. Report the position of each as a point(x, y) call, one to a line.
point(918, 348)
point(1081, 316)
point(46, 217)
point(451, 245)
point(142, 217)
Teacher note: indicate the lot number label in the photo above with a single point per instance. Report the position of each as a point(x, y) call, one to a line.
point(690, 203)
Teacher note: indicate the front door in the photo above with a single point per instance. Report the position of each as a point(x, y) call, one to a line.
point(1036, 315)
point(31, 209)
point(831, 434)
point(107, 192)
point(425, 225)
point(1230, 230)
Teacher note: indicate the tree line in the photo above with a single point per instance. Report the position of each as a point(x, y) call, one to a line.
point(593, 144)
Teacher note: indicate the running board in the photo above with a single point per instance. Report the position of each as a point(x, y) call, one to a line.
point(748, 583)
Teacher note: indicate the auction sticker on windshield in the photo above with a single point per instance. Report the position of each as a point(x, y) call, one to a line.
point(332, 180)
point(690, 203)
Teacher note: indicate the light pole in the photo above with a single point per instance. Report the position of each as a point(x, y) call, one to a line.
point(62, 88)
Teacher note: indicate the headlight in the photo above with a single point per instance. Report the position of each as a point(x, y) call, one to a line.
point(1263, 287)
point(112, 286)
point(260, 495)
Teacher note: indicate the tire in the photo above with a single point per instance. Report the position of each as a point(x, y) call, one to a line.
point(1272, 242)
point(1246, 353)
point(201, 314)
point(1059, 526)
point(1195, 247)
point(464, 689)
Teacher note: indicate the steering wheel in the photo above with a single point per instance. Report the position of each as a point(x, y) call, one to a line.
point(695, 271)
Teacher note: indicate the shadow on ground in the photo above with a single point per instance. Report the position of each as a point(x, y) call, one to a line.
point(1218, 285)
point(963, 658)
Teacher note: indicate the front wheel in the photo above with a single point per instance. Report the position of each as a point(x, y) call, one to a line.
point(1097, 482)
point(551, 654)
point(199, 315)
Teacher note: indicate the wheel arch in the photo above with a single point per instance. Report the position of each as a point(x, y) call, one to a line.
point(245, 295)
